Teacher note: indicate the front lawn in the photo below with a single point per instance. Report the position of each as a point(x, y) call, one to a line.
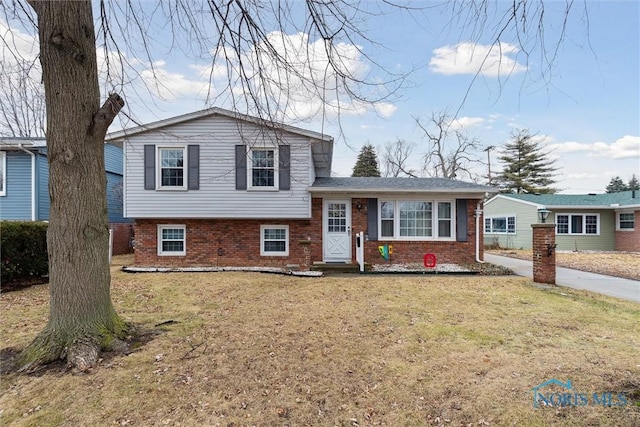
point(261, 349)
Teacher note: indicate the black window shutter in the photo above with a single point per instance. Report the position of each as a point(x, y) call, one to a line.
point(372, 219)
point(241, 167)
point(193, 159)
point(461, 220)
point(285, 167)
point(150, 167)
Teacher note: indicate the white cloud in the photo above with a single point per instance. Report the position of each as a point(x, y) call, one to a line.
point(466, 122)
point(167, 85)
point(17, 46)
point(626, 147)
point(385, 109)
point(469, 58)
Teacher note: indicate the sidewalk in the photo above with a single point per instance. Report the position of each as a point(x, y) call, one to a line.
point(607, 285)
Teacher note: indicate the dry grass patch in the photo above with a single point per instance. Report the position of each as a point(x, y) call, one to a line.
point(258, 349)
point(617, 264)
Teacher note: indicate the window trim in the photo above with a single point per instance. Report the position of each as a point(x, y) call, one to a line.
point(584, 216)
point(264, 227)
point(276, 169)
point(162, 227)
point(185, 168)
point(3, 177)
point(434, 220)
point(633, 221)
point(506, 220)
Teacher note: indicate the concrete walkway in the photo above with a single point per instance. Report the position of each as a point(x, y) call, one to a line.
point(607, 285)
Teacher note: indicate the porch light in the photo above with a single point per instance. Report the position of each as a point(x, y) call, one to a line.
point(543, 214)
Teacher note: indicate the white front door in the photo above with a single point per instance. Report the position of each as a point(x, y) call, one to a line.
point(337, 230)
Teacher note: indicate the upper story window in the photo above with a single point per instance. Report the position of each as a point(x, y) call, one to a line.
point(500, 225)
point(626, 221)
point(588, 224)
point(3, 173)
point(263, 171)
point(171, 168)
point(415, 219)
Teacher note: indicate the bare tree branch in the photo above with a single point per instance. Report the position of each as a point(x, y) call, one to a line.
point(450, 153)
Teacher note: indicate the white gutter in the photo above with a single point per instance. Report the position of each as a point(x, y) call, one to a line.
point(33, 181)
point(478, 221)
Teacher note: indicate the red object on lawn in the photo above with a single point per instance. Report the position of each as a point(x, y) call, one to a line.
point(429, 260)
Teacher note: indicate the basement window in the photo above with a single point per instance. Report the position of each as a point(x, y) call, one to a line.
point(274, 240)
point(172, 240)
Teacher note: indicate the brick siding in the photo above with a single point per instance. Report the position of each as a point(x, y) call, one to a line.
point(627, 240)
point(229, 242)
point(122, 235)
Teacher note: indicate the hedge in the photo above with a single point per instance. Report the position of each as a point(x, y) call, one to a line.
point(23, 250)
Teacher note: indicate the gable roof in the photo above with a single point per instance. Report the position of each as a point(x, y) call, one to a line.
point(588, 201)
point(321, 149)
point(396, 185)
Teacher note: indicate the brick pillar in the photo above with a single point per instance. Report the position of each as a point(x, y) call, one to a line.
point(544, 265)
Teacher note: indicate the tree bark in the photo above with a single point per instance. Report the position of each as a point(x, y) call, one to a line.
point(82, 318)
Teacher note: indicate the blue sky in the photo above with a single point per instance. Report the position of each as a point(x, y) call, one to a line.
point(585, 109)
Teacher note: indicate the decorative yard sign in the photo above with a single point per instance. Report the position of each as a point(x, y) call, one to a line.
point(429, 260)
point(385, 251)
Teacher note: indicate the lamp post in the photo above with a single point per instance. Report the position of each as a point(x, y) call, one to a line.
point(543, 214)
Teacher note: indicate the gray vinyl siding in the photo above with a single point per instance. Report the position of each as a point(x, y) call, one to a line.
point(16, 203)
point(605, 241)
point(217, 196)
point(525, 216)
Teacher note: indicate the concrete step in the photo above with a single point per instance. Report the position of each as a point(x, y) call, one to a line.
point(337, 267)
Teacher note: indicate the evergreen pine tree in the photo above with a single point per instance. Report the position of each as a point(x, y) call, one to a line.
point(633, 184)
point(526, 168)
point(616, 185)
point(367, 162)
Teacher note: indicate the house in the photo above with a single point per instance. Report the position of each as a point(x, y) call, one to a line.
point(24, 186)
point(583, 221)
point(216, 188)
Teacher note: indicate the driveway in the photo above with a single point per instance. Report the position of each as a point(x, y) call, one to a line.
point(607, 285)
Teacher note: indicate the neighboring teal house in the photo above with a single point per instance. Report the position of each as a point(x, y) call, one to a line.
point(608, 222)
point(24, 183)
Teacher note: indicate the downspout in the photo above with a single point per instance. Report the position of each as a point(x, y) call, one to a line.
point(33, 181)
point(478, 221)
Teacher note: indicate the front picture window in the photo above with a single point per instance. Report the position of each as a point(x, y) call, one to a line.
point(500, 225)
point(587, 224)
point(416, 219)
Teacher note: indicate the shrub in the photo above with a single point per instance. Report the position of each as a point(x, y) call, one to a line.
point(23, 250)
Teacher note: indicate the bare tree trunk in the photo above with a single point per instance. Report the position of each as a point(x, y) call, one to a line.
point(82, 318)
